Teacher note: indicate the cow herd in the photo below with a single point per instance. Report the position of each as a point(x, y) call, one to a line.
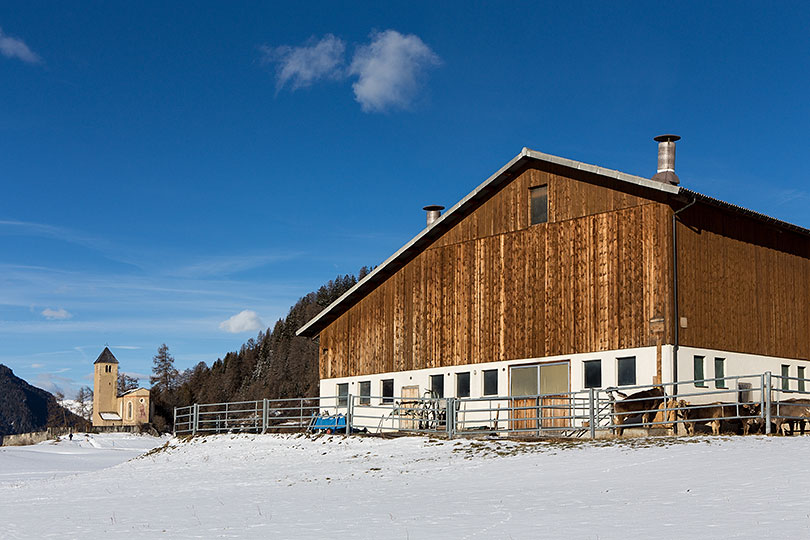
point(641, 408)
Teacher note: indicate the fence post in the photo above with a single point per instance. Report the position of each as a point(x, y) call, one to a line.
point(265, 414)
point(592, 412)
point(349, 407)
point(194, 412)
point(174, 423)
point(450, 417)
point(767, 402)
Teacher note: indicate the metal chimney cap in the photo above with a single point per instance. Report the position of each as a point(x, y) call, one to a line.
point(433, 208)
point(667, 138)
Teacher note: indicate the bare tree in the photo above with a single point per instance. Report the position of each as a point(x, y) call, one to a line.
point(84, 397)
point(126, 383)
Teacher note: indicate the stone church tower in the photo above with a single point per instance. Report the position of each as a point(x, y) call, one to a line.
point(105, 390)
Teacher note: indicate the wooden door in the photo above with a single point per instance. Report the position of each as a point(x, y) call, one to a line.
point(551, 382)
point(524, 381)
point(408, 412)
point(554, 380)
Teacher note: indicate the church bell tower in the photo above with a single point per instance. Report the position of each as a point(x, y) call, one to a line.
point(105, 388)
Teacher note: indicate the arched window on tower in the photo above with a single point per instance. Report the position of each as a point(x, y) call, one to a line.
point(129, 410)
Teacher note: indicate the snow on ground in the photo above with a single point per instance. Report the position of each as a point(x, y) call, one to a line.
point(271, 486)
point(86, 452)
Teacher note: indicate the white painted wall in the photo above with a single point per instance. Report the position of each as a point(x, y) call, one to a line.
point(736, 364)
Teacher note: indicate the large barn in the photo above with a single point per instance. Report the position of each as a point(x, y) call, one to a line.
point(556, 276)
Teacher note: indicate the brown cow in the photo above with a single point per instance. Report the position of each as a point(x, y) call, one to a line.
point(644, 403)
point(714, 413)
point(796, 410)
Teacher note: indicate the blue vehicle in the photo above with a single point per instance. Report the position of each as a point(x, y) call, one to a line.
point(328, 423)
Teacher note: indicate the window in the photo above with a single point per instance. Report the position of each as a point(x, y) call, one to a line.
point(388, 390)
point(800, 374)
point(539, 204)
point(365, 393)
point(523, 381)
point(343, 394)
point(490, 382)
point(463, 384)
point(719, 372)
point(627, 371)
point(437, 386)
point(785, 375)
point(593, 373)
point(129, 410)
point(697, 374)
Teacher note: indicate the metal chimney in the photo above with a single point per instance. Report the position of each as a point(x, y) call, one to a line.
point(666, 160)
point(434, 211)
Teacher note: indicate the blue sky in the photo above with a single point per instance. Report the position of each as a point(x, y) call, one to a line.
point(184, 174)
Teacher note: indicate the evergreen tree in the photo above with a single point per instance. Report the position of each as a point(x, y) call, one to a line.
point(164, 374)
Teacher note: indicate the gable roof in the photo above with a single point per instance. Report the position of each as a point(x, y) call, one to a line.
point(106, 357)
point(482, 193)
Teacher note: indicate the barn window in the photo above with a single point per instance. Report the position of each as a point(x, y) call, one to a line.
point(593, 373)
point(539, 204)
point(490, 382)
point(800, 374)
point(463, 384)
point(524, 381)
point(343, 394)
point(785, 375)
point(698, 375)
point(365, 392)
point(627, 371)
point(388, 390)
point(719, 372)
point(437, 386)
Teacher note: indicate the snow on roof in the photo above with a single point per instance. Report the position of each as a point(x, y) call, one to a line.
point(109, 416)
point(134, 390)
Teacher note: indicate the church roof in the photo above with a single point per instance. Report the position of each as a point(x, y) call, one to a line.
point(106, 357)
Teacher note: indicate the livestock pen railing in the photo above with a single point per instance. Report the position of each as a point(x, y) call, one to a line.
point(749, 403)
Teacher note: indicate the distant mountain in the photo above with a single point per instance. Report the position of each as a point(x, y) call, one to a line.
point(25, 408)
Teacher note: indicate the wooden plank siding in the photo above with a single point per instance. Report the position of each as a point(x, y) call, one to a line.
point(494, 288)
point(744, 286)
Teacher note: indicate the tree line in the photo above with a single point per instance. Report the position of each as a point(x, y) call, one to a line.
point(275, 364)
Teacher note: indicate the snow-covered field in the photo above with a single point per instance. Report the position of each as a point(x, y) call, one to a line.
point(271, 486)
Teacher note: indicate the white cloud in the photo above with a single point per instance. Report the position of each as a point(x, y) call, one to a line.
point(56, 314)
point(301, 66)
point(37, 366)
point(16, 48)
point(390, 70)
point(244, 321)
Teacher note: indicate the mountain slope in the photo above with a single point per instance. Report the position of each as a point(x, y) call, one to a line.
point(25, 408)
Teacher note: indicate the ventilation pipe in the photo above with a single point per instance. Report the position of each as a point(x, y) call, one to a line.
point(666, 160)
point(434, 211)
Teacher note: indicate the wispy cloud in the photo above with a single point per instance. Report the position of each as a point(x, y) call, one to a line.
point(37, 366)
point(390, 70)
point(125, 347)
point(12, 47)
point(301, 66)
point(60, 314)
point(226, 265)
point(244, 321)
point(789, 196)
point(55, 383)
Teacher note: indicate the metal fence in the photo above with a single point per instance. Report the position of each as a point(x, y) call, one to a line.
point(763, 403)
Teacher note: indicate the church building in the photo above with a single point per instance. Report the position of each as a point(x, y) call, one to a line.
point(131, 408)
